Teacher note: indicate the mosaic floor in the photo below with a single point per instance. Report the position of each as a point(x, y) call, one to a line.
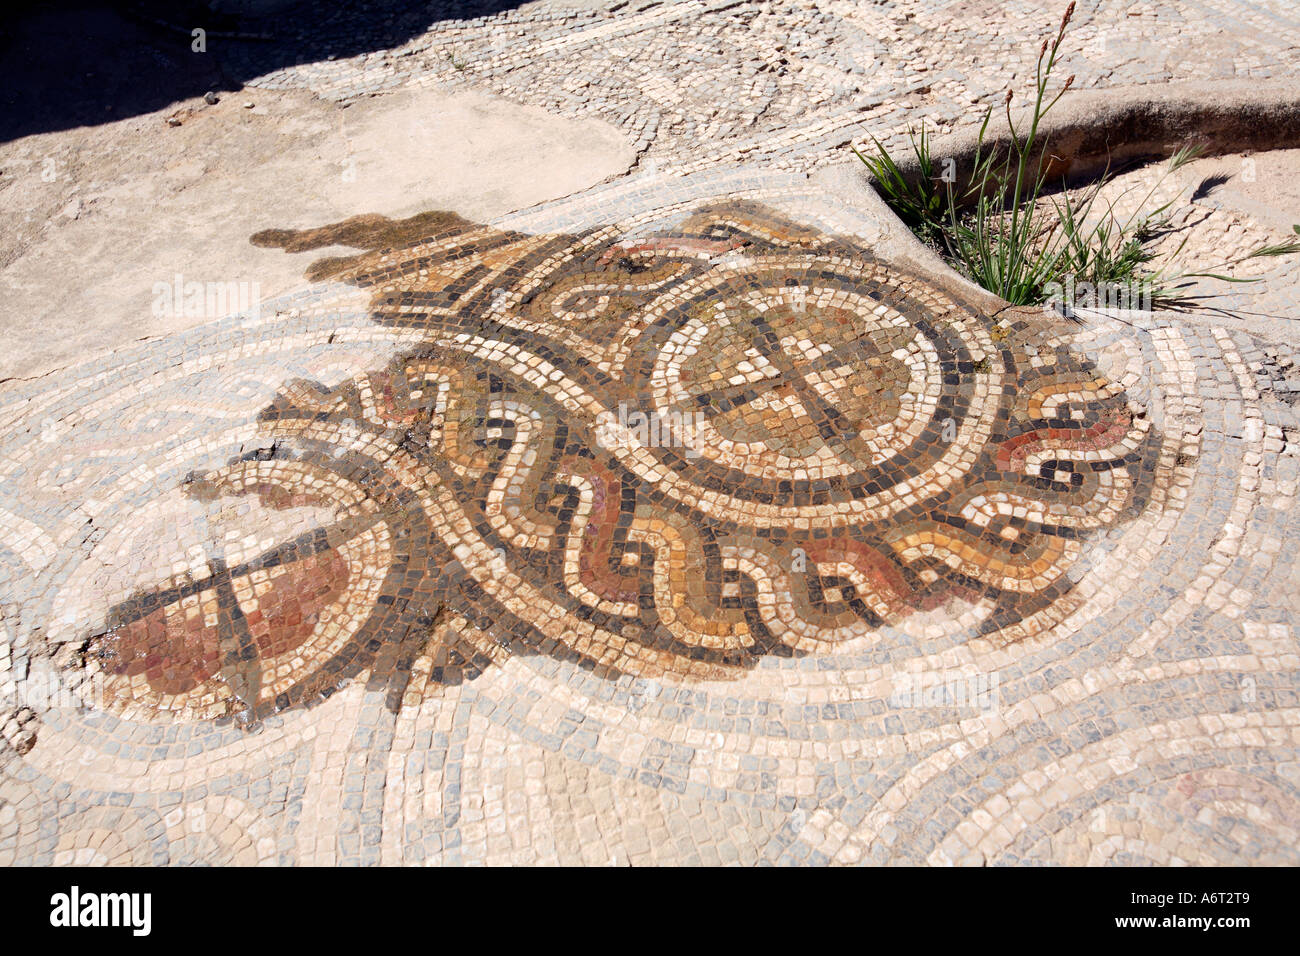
point(666, 524)
point(697, 83)
point(820, 561)
point(660, 457)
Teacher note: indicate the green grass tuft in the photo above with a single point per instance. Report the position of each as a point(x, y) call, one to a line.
point(1009, 234)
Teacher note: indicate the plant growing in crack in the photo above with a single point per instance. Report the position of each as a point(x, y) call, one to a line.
point(1024, 237)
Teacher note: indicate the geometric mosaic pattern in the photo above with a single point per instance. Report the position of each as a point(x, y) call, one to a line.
point(718, 541)
point(785, 448)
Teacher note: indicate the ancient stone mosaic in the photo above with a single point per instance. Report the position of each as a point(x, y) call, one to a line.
point(665, 456)
point(702, 537)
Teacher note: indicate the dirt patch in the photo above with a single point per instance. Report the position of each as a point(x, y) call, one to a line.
point(99, 218)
